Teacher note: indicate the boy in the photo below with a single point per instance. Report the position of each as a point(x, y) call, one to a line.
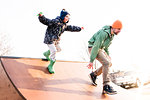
point(55, 28)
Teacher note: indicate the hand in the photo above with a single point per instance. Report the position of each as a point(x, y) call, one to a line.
point(40, 14)
point(82, 28)
point(109, 57)
point(90, 65)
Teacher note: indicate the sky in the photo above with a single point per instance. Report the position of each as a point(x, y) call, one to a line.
point(18, 19)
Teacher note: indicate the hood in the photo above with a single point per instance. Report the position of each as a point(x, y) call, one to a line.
point(107, 29)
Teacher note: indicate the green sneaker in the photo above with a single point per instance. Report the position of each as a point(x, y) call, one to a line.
point(46, 54)
point(50, 67)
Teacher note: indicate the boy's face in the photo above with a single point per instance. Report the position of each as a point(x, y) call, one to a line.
point(66, 19)
point(116, 31)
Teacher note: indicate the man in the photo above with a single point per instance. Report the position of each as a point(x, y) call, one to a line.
point(55, 28)
point(98, 49)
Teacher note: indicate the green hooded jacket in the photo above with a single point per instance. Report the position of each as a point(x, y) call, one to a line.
point(100, 40)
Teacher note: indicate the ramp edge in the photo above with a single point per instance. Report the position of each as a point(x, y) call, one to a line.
point(1, 63)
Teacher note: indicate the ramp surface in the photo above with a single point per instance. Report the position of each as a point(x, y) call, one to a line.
point(8, 91)
point(70, 81)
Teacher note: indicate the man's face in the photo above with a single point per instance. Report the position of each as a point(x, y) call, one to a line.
point(116, 31)
point(66, 19)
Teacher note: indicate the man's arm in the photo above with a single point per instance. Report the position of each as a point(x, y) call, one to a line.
point(107, 51)
point(97, 45)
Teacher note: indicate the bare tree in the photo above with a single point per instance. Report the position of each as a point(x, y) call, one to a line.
point(5, 47)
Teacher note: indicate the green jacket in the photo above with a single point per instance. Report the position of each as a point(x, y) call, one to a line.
point(100, 40)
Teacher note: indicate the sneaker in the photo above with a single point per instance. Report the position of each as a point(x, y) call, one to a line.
point(93, 78)
point(107, 89)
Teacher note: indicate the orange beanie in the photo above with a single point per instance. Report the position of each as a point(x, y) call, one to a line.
point(117, 24)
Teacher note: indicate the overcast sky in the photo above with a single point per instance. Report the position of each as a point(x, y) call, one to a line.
point(18, 18)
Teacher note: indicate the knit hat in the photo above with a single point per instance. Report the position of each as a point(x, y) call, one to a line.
point(117, 24)
point(63, 13)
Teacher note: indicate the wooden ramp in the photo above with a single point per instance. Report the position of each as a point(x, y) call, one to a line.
point(32, 81)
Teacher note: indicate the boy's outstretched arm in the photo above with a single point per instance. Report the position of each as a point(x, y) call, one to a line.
point(45, 20)
point(73, 28)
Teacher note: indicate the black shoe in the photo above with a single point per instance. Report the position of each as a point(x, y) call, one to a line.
point(107, 89)
point(93, 78)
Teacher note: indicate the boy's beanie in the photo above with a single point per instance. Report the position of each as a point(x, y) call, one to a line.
point(63, 13)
